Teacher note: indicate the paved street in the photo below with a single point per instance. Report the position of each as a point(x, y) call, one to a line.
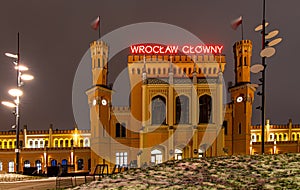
point(42, 184)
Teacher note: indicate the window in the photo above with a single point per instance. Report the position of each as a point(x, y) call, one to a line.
point(178, 154)
point(0, 144)
point(293, 137)
point(86, 142)
point(41, 144)
point(46, 143)
point(10, 144)
point(80, 164)
point(1, 166)
point(280, 137)
point(257, 137)
point(67, 143)
point(81, 143)
point(64, 164)
point(158, 110)
point(53, 162)
point(225, 127)
point(36, 144)
point(182, 109)
point(284, 137)
point(11, 166)
point(26, 164)
point(156, 156)
point(275, 137)
point(297, 137)
point(240, 128)
point(205, 105)
point(138, 71)
point(38, 165)
point(5, 144)
point(61, 143)
point(56, 143)
point(21, 144)
point(120, 130)
point(121, 158)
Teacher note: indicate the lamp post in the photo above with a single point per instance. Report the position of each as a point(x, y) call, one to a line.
point(267, 51)
point(17, 93)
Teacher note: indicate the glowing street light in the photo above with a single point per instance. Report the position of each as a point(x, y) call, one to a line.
point(15, 56)
point(17, 93)
point(9, 104)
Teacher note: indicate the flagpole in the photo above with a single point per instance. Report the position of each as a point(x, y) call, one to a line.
point(99, 27)
point(242, 30)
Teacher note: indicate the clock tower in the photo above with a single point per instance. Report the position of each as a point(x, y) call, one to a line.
point(242, 97)
point(99, 98)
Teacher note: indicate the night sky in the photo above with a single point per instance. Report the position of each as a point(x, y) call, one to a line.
point(54, 35)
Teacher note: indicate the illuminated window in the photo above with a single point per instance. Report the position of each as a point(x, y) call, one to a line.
point(1, 167)
point(86, 142)
point(257, 137)
point(284, 137)
point(205, 105)
point(27, 164)
point(41, 144)
point(11, 166)
point(178, 154)
point(53, 162)
point(121, 158)
point(158, 110)
point(36, 144)
point(156, 156)
point(182, 109)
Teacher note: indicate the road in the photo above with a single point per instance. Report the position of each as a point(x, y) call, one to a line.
point(41, 184)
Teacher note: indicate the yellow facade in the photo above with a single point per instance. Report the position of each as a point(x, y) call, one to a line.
point(44, 148)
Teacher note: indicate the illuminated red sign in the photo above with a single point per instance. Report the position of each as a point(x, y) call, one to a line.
point(174, 49)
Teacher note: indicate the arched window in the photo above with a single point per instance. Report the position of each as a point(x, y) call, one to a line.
point(11, 166)
point(205, 106)
point(209, 71)
point(184, 71)
point(298, 137)
point(204, 70)
point(56, 143)
point(64, 164)
point(257, 138)
point(149, 70)
point(178, 154)
point(190, 70)
point(36, 144)
point(174, 71)
point(38, 165)
point(164, 71)
point(26, 164)
point(199, 71)
point(293, 137)
point(138, 71)
point(53, 162)
point(154, 71)
point(132, 71)
point(241, 61)
point(215, 70)
point(66, 143)
point(81, 143)
point(158, 71)
point(61, 143)
point(156, 156)
point(86, 142)
point(182, 109)
point(80, 164)
point(158, 110)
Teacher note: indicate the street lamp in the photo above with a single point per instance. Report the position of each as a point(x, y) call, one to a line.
point(266, 52)
point(17, 93)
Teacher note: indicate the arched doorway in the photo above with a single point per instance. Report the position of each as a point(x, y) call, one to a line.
point(38, 165)
point(26, 164)
point(53, 162)
point(64, 165)
point(178, 154)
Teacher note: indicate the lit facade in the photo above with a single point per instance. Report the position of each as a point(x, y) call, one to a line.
point(43, 148)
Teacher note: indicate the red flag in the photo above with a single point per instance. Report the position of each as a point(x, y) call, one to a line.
point(235, 24)
point(95, 24)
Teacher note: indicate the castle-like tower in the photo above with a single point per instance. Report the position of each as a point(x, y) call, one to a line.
point(99, 98)
point(239, 111)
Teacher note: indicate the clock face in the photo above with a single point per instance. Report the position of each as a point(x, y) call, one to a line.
point(104, 102)
point(94, 102)
point(239, 99)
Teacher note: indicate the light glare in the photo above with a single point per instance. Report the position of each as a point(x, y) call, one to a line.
point(15, 92)
point(9, 104)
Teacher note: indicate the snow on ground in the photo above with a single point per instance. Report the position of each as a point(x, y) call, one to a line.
point(235, 172)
